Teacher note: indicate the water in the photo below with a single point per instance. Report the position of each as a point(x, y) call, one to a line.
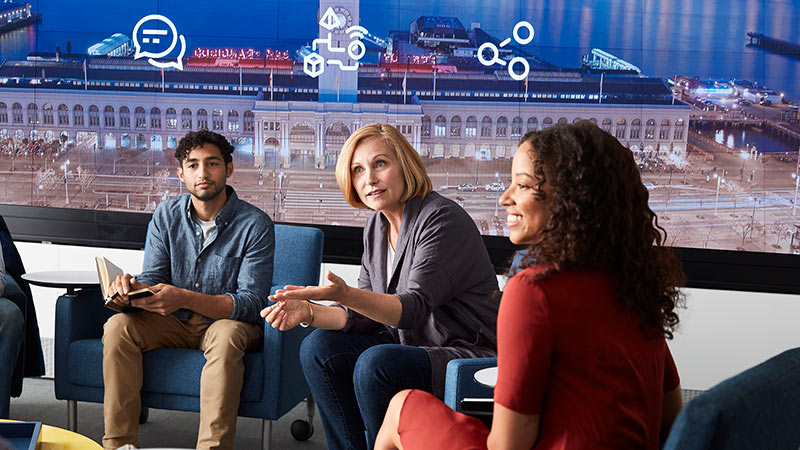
point(741, 138)
point(664, 38)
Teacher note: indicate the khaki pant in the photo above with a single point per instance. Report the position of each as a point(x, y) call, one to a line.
point(224, 343)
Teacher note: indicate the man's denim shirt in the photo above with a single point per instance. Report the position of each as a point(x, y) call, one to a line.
point(236, 262)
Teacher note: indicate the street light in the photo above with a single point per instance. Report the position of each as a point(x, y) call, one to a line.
point(745, 155)
point(66, 182)
point(796, 185)
point(720, 180)
point(114, 165)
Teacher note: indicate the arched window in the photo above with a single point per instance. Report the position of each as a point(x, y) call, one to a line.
point(33, 114)
point(619, 132)
point(202, 119)
point(155, 118)
point(426, 126)
point(486, 127)
point(502, 127)
point(3, 113)
point(249, 122)
point(606, 126)
point(140, 117)
point(16, 113)
point(678, 129)
point(47, 114)
point(108, 116)
point(547, 122)
point(636, 128)
point(650, 130)
point(562, 120)
point(124, 117)
point(94, 116)
point(471, 130)
point(455, 126)
point(663, 133)
point(440, 126)
point(576, 120)
point(533, 124)
point(516, 127)
point(171, 117)
point(63, 114)
point(216, 119)
point(233, 121)
point(77, 116)
point(186, 119)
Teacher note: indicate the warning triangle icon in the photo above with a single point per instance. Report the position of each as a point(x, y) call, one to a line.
point(329, 20)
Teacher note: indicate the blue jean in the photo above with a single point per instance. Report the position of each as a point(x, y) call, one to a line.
point(353, 376)
point(12, 332)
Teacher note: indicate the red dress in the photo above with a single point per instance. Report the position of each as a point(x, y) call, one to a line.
point(568, 351)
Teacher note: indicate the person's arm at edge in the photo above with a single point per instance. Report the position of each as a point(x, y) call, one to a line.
point(2, 272)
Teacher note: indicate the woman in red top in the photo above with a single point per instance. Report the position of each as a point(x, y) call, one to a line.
point(582, 357)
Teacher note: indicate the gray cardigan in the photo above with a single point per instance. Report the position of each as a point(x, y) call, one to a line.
point(443, 277)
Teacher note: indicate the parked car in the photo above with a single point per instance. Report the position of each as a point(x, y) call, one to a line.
point(467, 187)
point(495, 187)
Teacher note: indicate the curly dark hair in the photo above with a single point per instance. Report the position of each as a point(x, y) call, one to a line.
point(599, 219)
point(194, 139)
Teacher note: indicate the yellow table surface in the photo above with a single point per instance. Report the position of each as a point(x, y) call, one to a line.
point(54, 438)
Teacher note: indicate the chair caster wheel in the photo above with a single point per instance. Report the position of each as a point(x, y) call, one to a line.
point(143, 415)
point(302, 430)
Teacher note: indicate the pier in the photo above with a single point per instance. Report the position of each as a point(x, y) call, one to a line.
point(774, 45)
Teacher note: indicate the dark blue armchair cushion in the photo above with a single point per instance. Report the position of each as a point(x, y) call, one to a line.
point(757, 409)
point(169, 370)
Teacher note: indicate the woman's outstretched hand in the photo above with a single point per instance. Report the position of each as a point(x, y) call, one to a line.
point(286, 314)
point(336, 291)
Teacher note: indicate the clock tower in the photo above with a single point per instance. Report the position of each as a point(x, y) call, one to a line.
point(339, 81)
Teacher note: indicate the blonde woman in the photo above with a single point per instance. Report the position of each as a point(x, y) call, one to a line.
point(423, 296)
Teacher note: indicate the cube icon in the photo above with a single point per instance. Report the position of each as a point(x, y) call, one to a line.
point(313, 64)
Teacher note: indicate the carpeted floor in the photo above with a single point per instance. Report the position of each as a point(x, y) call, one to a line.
point(173, 429)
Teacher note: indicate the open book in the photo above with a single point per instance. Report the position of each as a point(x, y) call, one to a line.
point(107, 272)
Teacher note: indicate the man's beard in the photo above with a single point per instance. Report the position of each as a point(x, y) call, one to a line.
point(208, 195)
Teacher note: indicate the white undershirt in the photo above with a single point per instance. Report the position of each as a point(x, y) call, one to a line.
point(389, 260)
point(208, 227)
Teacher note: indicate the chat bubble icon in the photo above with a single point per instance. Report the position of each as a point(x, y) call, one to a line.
point(150, 36)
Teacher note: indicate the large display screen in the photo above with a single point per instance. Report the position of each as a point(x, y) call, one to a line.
point(94, 97)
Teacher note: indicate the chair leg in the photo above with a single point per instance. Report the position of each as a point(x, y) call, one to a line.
point(310, 408)
point(72, 415)
point(266, 434)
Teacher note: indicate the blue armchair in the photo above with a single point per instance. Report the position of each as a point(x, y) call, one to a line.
point(273, 379)
point(460, 381)
point(758, 408)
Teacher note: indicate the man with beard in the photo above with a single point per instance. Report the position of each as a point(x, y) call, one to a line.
point(208, 259)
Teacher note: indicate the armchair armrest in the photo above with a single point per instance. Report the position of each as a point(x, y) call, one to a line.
point(81, 316)
point(460, 382)
point(284, 381)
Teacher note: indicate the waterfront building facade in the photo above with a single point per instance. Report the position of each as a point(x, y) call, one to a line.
point(313, 131)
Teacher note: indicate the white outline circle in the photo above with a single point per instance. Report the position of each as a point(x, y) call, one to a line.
point(526, 24)
point(514, 75)
point(356, 44)
point(495, 57)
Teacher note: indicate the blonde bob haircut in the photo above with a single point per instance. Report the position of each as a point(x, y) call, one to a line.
point(417, 181)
